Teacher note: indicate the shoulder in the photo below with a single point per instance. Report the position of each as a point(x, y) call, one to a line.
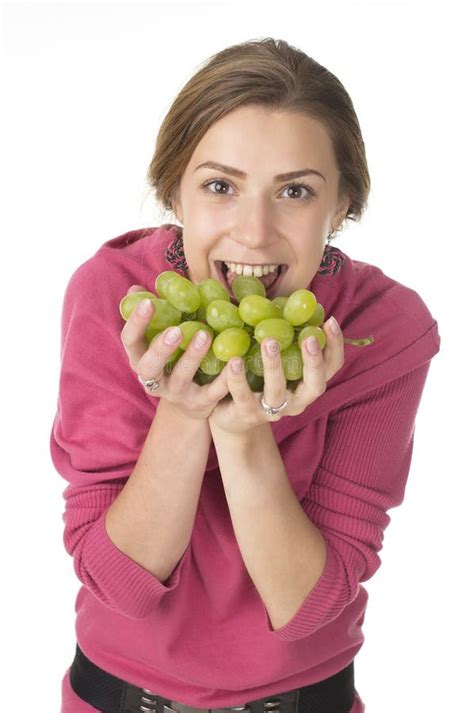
point(347, 284)
point(369, 303)
point(135, 257)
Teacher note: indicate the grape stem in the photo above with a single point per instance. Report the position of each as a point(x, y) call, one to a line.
point(360, 342)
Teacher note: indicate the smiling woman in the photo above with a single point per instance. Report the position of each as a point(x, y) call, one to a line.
point(261, 216)
point(270, 165)
point(221, 553)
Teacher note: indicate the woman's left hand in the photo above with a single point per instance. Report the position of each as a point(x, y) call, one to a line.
point(245, 411)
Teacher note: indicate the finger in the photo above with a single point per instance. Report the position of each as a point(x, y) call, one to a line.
point(320, 367)
point(153, 362)
point(238, 385)
point(184, 370)
point(274, 390)
point(217, 389)
point(333, 352)
point(313, 383)
point(133, 334)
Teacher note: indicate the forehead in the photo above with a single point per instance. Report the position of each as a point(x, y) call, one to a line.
point(250, 136)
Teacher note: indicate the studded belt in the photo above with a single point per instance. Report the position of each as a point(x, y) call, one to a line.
point(110, 694)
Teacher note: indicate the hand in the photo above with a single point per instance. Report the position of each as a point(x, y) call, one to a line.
point(244, 410)
point(178, 388)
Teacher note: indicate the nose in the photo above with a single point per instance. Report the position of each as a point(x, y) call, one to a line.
point(254, 227)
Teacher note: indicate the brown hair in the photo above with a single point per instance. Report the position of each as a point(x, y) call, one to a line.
point(269, 73)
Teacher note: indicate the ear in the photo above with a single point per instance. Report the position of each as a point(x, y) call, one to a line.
point(341, 212)
point(176, 206)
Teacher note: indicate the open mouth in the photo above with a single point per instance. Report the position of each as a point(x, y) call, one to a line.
point(271, 281)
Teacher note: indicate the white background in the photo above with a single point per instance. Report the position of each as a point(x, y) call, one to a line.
point(85, 88)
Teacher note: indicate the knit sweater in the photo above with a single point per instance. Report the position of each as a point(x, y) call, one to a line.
point(203, 636)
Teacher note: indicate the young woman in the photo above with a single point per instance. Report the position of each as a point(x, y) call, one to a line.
point(221, 534)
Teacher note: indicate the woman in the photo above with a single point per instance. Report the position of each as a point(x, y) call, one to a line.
point(221, 534)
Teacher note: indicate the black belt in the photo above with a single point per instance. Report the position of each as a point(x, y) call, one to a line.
point(110, 694)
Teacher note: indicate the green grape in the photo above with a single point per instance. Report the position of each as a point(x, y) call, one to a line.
point(232, 342)
point(255, 382)
point(244, 285)
point(299, 307)
point(253, 360)
point(292, 362)
point(162, 280)
point(182, 294)
point(221, 315)
point(210, 364)
point(165, 315)
point(255, 308)
point(202, 378)
point(130, 302)
point(317, 318)
point(280, 303)
point(211, 290)
point(311, 331)
point(278, 328)
point(189, 329)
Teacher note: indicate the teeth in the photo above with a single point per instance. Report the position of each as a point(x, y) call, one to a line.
point(256, 270)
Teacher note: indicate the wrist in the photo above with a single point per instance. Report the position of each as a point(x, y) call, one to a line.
point(170, 412)
point(243, 440)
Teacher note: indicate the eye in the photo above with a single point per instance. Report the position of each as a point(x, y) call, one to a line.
point(219, 183)
point(309, 191)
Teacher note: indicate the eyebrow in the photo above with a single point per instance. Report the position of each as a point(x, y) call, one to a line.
point(241, 174)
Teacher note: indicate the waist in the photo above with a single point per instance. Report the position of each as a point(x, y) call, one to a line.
point(111, 694)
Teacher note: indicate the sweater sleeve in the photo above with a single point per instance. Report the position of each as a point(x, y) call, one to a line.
point(362, 473)
point(101, 423)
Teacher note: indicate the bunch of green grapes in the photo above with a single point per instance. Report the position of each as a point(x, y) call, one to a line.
point(235, 330)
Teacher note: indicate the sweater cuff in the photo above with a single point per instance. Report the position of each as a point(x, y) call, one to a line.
point(320, 606)
point(117, 580)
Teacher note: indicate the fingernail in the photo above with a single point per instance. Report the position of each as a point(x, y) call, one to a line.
point(201, 338)
point(333, 326)
point(272, 347)
point(313, 345)
point(172, 335)
point(144, 306)
point(236, 365)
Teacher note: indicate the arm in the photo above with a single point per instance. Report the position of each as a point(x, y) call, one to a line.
point(362, 473)
point(152, 519)
point(129, 537)
point(126, 457)
point(284, 552)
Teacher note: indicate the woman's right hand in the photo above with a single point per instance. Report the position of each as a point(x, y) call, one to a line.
point(148, 361)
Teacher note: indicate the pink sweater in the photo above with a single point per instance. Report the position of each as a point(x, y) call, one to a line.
point(203, 636)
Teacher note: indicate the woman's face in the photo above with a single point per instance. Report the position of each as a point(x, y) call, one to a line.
point(255, 217)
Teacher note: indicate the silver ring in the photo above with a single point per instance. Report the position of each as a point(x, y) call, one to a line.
point(149, 384)
point(272, 410)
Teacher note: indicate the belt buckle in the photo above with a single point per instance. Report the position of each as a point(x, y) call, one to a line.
point(148, 703)
point(149, 699)
point(272, 704)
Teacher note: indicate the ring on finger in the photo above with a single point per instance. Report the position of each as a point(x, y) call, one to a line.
point(272, 410)
point(150, 385)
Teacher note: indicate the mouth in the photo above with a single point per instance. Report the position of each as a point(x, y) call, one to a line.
point(271, 281)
